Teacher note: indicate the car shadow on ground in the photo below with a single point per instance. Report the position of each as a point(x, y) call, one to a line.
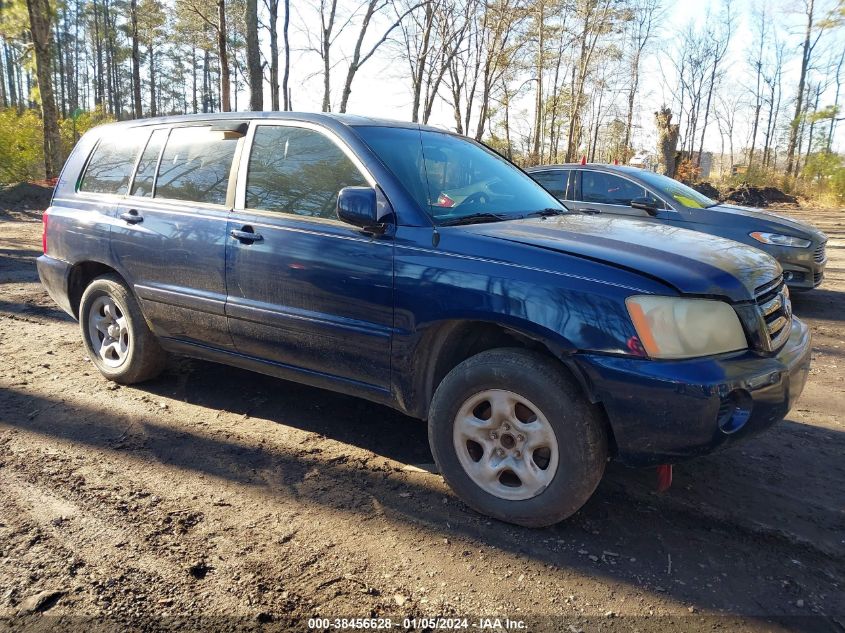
point(625, 533)
point(819, 304)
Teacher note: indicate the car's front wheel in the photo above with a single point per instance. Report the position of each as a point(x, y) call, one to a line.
point(515, 439)
point(117, 337)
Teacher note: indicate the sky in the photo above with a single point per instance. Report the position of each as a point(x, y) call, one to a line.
point(382, 87)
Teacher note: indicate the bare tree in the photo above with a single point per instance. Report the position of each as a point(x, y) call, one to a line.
point(812, 33)
point(641, 22)
point(359, 58)
point(286, 75)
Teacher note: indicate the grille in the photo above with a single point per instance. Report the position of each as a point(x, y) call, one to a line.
point(776, 312)
point(819, 254)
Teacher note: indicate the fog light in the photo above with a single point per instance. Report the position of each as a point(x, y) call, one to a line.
point(787, 276)
point(734, 411)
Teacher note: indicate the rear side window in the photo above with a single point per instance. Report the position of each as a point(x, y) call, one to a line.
point(112, 162)
point(145, 176)
point(560, 182)
point(298, 171)
point(601, 187)
point(195, 165)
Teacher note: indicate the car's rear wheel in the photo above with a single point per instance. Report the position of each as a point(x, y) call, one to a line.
point(117, 337)
point(515, 439)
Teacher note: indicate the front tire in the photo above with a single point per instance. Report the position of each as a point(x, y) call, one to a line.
point(115, 334)
point(515, 438)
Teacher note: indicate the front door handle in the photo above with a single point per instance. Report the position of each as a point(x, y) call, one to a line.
point(132, 216)
point(246, 235)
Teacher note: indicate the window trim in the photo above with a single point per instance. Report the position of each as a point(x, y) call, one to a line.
point(153, 130)
point(246, 154)
point(580, 191)
point(193, 203)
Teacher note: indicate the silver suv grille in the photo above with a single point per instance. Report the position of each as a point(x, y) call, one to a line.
point(819, 254)
point(775, 312)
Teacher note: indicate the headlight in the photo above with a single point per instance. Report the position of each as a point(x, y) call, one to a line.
point(672, 327)
point(780, 240)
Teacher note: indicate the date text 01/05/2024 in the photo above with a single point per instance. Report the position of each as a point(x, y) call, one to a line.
point(494, 624)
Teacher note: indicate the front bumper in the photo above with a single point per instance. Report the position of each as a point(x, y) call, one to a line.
point(55, 274)
point(666, 411)
point(803, 268)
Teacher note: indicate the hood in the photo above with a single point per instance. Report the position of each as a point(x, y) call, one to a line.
point(691, 262)
point(769, 222)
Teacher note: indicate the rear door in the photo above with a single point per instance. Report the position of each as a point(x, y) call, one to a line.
point(559, 182)
point(170, 235)
point(307, 291)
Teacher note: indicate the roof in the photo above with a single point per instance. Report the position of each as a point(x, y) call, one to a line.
point(351, 120)
point(625, 169)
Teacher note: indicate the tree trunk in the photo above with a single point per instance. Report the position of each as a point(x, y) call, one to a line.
point(835, 101)
point(799, 101)
point(136, 59)
point(10, 74)
point(285, 76)
point(538, 100)
point(151, 61)
point(40, 15)
point(194, 77)
point(667, 141)
point(225, 87)
point(273, 6)
point(253, 58)
point(632, 94)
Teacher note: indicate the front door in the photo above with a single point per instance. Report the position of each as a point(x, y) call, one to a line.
point(606, 193)
point(170, 233)
point(305, 290)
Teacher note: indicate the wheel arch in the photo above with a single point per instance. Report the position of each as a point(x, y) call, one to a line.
point(81, 275)
point(448, 343)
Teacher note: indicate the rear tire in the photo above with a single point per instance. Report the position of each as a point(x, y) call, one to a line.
point(515, 438)
point(115, 333)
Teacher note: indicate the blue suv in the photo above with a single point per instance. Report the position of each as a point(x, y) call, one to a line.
point(418, 269)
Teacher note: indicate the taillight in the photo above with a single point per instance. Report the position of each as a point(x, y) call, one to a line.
point(44, 219)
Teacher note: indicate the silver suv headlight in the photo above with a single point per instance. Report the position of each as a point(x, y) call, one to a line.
point(780, 240)
point(675, 327)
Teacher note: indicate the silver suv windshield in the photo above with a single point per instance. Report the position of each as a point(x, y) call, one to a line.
point(456, 180)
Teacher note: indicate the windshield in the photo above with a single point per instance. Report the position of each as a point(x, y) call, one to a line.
point(678, 191)
point(453, 178)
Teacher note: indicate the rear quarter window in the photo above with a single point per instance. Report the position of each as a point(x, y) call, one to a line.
point(110, 166)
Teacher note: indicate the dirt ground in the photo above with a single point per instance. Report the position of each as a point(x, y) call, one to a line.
point(215, 498)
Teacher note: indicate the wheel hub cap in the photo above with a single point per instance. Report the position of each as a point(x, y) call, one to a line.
point(505, 444)
point(108, 331)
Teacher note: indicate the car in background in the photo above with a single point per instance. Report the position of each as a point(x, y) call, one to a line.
point(632, 192)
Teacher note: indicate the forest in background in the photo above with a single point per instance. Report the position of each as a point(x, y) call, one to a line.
point(540, 81)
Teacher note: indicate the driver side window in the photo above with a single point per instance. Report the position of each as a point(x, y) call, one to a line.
point(604, 188)
point(298, 171)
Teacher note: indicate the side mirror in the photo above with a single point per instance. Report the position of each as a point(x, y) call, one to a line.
point(646, 204)
point(357, 206)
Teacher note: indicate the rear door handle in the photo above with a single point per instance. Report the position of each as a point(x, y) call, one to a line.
point(246, 235)
point(132, 216)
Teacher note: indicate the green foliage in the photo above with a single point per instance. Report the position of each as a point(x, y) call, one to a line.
point(22, 141)
point(21, 146)
point(825, 173)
